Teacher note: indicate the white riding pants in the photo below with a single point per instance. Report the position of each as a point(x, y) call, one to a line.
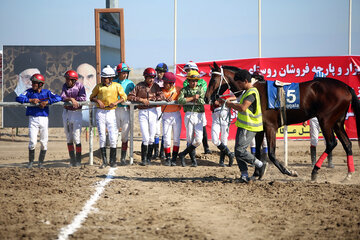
point(220, 125)
point(106, 119)
point(72, 125)
point(171, 125)
point(194, 128)
point(37, 124)
point(122, 121)
point(148, 120)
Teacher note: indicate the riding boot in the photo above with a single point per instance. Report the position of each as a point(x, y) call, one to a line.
point(222, 159)
point(103, 156)
point(78, 155)
point(41, 158)
point(227, 153)
point(182, 155)
point(173, 159)
point(155, 147)
point(162, 152)
point(205, 142)
point(113, 157)
point(31, 158)
point(313, 155)
point(123, 157)
point(70, 147)
point(330, 163)
point(150, 150)
point(144, 153)
point(167, 159)
point(124, 147)
point(193, 158)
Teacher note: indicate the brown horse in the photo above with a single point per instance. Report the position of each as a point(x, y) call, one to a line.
point(325, 98)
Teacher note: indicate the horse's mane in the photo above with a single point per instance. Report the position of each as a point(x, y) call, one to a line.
point(231, 68)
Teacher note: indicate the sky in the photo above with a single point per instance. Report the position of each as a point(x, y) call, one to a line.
point(207, 30)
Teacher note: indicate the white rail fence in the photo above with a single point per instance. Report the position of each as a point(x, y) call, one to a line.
point(92, 107)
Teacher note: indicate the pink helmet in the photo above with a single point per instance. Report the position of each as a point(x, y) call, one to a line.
point(169, 77)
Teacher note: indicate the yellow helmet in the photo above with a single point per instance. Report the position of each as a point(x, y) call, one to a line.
point(193, 74)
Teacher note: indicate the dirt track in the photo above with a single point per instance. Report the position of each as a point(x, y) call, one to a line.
point(159, 202)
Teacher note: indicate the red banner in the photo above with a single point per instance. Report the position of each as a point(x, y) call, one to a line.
point(295, 69)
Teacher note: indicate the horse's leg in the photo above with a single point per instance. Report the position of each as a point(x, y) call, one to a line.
point(331, 143)
point(258, 139)
point(271, 140)
point(346, 143)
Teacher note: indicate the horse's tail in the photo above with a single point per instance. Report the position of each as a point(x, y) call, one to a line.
point(355, 103)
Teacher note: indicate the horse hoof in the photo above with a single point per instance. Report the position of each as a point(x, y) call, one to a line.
point(347, 178)
point(294, 173)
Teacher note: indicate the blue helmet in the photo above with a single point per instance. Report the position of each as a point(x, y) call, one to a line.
point(319, 74)
point(162, 67)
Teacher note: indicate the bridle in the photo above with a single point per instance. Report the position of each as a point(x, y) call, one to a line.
point(223, 78)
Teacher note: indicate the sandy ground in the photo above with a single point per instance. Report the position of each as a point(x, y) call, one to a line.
point(159, 202)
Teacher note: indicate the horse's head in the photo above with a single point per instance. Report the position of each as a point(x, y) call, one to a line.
point(222, 78)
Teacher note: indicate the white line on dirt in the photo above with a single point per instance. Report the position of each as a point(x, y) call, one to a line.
point(80, 218)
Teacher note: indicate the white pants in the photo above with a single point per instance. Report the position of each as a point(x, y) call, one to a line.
point(148, 120)
point(194, 128)
point(106, 119)
point(171, 124)
point(158, 123)
point(122, 121)
point(220, 125)
point(314, 131)
point(37, 124)
point(72, 125)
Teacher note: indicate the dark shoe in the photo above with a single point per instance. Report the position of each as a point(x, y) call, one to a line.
point(150, 150)
point(70, 147)
point(193, 158)
point(262, 170)
point(244, 179)
point(162, 152)
point(144, 153)
point(41, 158)
point(113, 157)
point(231, 159)
point(207, 151)
point(156, 151)
point(78, 155)
point(168, 159)
point(222, 159)
point(31, 158)
point(103, 156)
point(123, 157)
point(173, 159)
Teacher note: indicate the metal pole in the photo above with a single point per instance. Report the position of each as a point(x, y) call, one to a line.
point(259, 26)
point(285, 146)
point(131, 134)
point(350, 10)
point(175, 20)
point(91, 134)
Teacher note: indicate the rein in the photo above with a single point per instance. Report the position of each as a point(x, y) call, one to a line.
point(223, 78)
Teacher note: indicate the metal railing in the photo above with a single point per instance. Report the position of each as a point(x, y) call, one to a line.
point(92, 107)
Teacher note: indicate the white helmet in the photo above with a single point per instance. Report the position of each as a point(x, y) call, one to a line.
point(108, 72)
point(191, 66)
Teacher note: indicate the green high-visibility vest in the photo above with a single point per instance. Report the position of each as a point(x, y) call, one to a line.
point(248, 120)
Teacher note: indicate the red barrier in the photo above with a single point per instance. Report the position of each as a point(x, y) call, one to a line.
point(294, 69)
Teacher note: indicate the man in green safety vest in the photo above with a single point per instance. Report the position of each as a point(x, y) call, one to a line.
point(249, 122)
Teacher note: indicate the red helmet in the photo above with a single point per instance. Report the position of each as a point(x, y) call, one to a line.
point(122, 67)
point(37, 77)
point(169, 77)
point(71, 74)
point(149, 72)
